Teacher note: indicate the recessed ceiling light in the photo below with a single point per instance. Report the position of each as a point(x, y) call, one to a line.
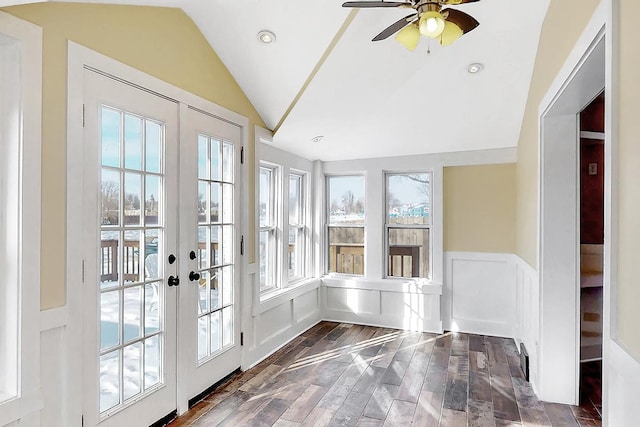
point(317, 138)
point(266, 36)
point(475, 68)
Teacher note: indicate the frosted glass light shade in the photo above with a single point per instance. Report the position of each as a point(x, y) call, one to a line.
point(431, 24)
point(450, 34)
point(409, 37)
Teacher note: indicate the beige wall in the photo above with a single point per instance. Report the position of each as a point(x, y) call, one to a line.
point(564, 22)
point(628, 105)
point(162, 42)
point(480, 208)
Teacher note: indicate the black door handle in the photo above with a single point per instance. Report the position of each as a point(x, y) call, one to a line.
point(173, 281)
point(194, 276)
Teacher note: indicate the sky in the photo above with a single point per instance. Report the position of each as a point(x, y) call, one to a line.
point(403, 188)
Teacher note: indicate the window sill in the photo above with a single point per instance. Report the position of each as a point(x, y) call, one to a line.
point(277, 297)
point(401, 285)
point(17, 408)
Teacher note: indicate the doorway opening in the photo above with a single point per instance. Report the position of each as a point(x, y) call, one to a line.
point(560, 231)
point(592, 131)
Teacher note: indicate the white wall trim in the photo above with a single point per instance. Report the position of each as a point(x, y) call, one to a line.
point(54, 318)
point(580, 79)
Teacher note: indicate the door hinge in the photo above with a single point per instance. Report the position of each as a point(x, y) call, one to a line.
point(241, 338)
point(241, 245)
point(83, 108)
point(82, 271)
point(242, 155)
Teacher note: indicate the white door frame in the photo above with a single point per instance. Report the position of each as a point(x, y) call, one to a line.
point(80, 57)
point(584, 75)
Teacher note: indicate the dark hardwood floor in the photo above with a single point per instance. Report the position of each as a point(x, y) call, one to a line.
point(350, 375)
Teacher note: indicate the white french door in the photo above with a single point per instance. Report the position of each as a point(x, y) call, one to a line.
point(210, 248)
point(130, 199)
point(161, 249)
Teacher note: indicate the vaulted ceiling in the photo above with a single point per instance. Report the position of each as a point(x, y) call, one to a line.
point(324, 77)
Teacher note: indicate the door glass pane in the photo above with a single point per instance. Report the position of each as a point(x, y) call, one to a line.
point(215, 236)
point(131, 273)
point(109, 380)
point(131, 255)
point(152, 361)
point(109, 265)
point(132, 370)
point(132, 142)
point(153, 146)
point(214, 288)
point(203, 332)
point(203, 157)
point(215, 160)
point(132, 313)
point(110, 135)
point(151, 200)
point(132, 196)
point(110, 197)
point(215, 332)
point(109, 319)
point(227, 162)
point(151, 314)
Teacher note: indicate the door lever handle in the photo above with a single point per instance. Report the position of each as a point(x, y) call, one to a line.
point(173, 281)
point(193, 276)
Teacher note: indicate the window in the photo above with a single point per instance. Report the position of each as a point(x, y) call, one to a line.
point(346, 224)
point(408, 225)
point(268, 228)
point(296, 248)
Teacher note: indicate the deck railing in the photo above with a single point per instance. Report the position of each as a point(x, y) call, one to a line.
point(348, 258)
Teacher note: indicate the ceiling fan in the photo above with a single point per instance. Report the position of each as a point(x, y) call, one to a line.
point(429, 19)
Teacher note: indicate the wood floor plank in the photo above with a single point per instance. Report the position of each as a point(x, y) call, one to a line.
point(319, 417)
point(369, 380)
point(479, 386)
point(480, 414)
point(476, 343)
point(380, 402)
point(560, 415)
point(303, 405)
point(369, 422)
point(414, 377)
point(349, 413)
point(342, 374)
point(451, 418)
point(400, 414)
point(505, 406)
point(428, 409)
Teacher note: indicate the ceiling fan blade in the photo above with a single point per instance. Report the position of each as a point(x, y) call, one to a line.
point(463, 20)
point(449, 2)
point(395, 27)
point(365, 4)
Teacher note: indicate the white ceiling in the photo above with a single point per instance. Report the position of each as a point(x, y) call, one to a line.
point(373, 99)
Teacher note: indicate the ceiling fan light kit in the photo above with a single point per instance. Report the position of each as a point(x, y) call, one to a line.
point(429, 20)
point(409, 37)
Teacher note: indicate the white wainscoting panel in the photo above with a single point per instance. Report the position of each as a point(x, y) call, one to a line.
point(382, 304)
point(624, 377)
point(277, 321)
point(54, 375)
point(479, 295)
